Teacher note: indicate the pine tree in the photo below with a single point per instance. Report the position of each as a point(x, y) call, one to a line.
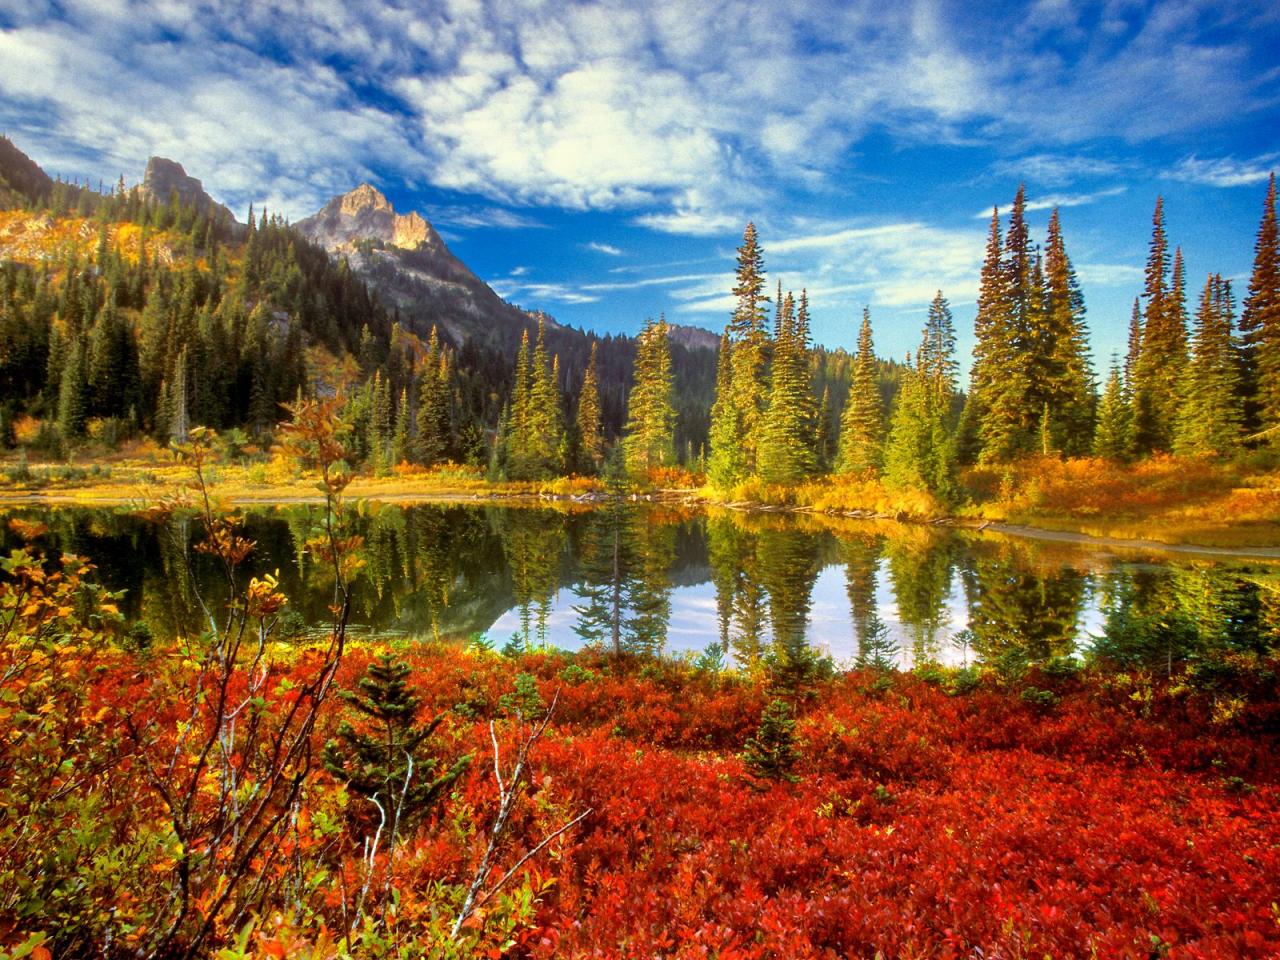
point(725, 464)
point(379, 437)
point(1159, 369)
point(919, 452)
point(1260, 323)
point(388, 759)
point(651, 415)
point(938, 350)
point(73, 391)
point(1209, 416)
point(786, 452)
point(1134, 347)
point(1069, 389)
point(433, 406)
point(998, 383)
point(734, 448)
point(590, 428)
point(771, 753)
point(1113, 435)
point(402, 438)
point(862, 421)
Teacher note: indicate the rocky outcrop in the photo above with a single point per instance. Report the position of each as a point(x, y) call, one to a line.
point(406, 261)
point(166, 177)
point(21, 179)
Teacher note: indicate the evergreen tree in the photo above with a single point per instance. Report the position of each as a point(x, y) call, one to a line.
point(1069, 387)
point(919, 451)
point(999, 381)
point(724, 466)
point(771, 753)
point(402, 437)
point(1113, 435)
point(1162, 359)
point(73, 392)
point(862, 421)
point(433, 406)
point(938, 349)
point(590, 428)
point(786, 449)
point(388, 758)
point(1209, 416)
point(380, 427)
point(736, 425)
point(651, 415)
point(1260, 323)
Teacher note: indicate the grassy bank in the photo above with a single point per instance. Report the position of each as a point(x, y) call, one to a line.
point(1164, 499)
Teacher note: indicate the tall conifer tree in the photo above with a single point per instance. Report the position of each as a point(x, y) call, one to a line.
point(862, 421)
point(786, 451)
point(590, 429)
point(651, 415)
point(1113, 435)
point(1209, 414)
point(1260, 323)
point(1163, 355)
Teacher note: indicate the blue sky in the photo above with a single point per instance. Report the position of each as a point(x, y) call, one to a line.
point(599, 160)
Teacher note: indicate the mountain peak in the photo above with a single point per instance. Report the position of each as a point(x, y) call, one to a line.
point(365, 213)
point(164, 177)
point(362, 198)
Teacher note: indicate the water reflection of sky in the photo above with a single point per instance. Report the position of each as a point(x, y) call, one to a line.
point(694, 621)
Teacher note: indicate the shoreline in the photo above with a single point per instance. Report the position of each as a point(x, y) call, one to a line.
point(685, 497)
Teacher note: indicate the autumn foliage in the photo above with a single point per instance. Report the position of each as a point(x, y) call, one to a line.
point(167, 799)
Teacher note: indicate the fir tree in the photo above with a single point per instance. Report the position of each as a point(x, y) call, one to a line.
point(1113, 435)
point(725, 464)
point(590, 428)
point(734, 448)
point(651, 415)
point(998, 384)
point(919, 451)
point(1162, 359)
point(1260, 323)
point(1069, 386)
point(1209, 416)
point(786, 452)
point(73, 392)
point(938, 349)
point(388, 759)
point(433, 406)
point(862, 421)
point(771, 753)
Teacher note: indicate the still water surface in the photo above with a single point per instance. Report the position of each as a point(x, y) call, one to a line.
point(654, 579)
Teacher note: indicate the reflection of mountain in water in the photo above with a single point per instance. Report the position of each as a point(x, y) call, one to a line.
point(643, 579)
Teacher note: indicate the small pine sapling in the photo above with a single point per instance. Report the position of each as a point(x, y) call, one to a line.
point(771, 753)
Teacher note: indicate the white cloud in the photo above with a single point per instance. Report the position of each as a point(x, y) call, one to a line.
point(1226, 172)
point(1054, 170)
point(481, 217)
point(1061, 200)
point(608, 249)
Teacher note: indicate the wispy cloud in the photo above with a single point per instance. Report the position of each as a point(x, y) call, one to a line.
point(481, 217)
point(533, 294)
point(606, 248)
point(648, 282)
point(1062, 200)
point(1226, 172)
point(1055, 170)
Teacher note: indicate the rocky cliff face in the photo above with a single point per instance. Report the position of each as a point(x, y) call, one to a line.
point(410, 266)
point(365, 214)
point(165, 177)
point(21, 179)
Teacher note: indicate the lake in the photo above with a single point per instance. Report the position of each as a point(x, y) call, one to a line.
point(657, 579)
